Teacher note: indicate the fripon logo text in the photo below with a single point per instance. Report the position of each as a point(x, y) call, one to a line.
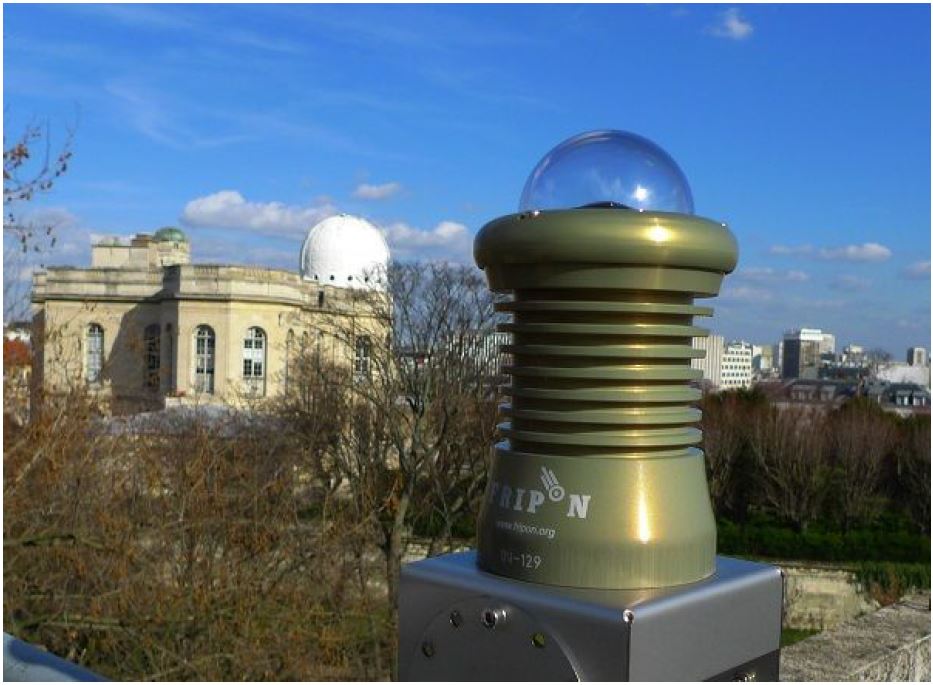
point(529, 500)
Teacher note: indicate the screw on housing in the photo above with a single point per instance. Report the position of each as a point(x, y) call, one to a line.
point(491, 618)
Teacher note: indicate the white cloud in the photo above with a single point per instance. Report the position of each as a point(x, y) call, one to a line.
point(56, 217)
point(365, 191)
point(791, 250)
point(167, 121)
point(917, 271)
point(40, 230)
point(70, 248)
point(825, 304)
point(94, 237)
point(742, 293)
point(227, 252)
point(731, 25)
point(448, 239)
point(849, 282)
point(229, 209)
point(766, 274)
point(866, 252)
point(912, 325)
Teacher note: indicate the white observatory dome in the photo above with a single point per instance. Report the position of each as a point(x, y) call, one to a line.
point(345, 251)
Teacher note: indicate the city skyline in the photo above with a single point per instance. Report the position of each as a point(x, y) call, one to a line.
point(245, 125)
point(840, 345)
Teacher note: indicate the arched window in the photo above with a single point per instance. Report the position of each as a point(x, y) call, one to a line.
point(361, 358)
point(95, 353)
point(254, 361)
point(204, 343)
point(289, 356)
point(152, 349)
point(169, 357)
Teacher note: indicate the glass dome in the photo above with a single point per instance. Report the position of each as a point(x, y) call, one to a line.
point(607, 169)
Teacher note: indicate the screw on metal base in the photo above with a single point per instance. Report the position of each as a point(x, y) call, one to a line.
point(745, 677)
point(492, 617)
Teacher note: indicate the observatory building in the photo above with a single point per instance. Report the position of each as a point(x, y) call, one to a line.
point(143, 323)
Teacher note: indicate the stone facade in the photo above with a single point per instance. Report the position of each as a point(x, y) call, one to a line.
point(142, 324)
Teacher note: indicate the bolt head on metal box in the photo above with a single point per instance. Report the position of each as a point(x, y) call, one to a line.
point(460, 623)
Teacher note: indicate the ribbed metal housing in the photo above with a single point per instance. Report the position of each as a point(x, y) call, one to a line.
point(599, 482)
point(602, 373)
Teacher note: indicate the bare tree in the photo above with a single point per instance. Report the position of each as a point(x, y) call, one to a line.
point(16, 283)
point(861, 436)
point(182, 553)
point(912, 451)
point(30, 169)
point(422, 382)
point(315, 407)
point(418, 382)
point(790, 450)
point(724, 421)
point(457, 477)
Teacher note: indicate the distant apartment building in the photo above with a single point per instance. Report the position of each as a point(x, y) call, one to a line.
point(763, 362)
point(901, 373)
point(829, 393)
point(906, 395)
point(801, 357)
point(828, 344)
point(736, 366)
point(853, 354)
point(22, 331)
point(711, 364)
point(903, 398)
point(917, 356)
point(483, 348)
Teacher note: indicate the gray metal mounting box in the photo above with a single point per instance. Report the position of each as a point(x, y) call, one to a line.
point(458, 623)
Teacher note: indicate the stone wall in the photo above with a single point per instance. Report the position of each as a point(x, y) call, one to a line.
point(819, 598)
point(891, 644)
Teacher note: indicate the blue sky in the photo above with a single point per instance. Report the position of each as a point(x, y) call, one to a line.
point(806, 128)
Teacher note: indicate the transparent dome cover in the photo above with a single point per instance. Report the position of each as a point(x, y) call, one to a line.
point(609, 169)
